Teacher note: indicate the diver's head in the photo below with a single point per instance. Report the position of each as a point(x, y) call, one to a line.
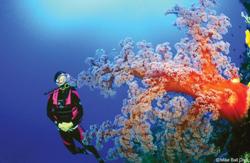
point(61, 78)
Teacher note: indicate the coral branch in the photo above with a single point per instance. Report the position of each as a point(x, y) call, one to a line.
point(152, 124)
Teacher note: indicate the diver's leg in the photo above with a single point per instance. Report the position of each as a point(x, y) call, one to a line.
point(68, 142)
point(93, 150)
point(78, 135)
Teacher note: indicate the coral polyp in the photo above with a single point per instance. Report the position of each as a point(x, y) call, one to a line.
point(153, 121)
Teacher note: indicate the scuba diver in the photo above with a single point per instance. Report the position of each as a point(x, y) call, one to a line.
point(64, 109)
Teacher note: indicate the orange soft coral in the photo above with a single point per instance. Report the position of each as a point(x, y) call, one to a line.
point(200, 68)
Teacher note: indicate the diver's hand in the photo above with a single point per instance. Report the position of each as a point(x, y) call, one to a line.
point(69, 125)
point(62, 127)
point(65, 126)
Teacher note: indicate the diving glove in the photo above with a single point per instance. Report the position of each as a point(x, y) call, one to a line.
point(65, 126)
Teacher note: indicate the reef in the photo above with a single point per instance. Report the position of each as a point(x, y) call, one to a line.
point(174, 100)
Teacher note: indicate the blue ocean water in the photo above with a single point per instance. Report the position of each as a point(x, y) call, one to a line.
point(39, 38)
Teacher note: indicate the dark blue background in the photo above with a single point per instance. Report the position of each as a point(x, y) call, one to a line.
point(32, 51)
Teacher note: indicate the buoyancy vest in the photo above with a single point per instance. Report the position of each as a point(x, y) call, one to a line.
point(64, 110)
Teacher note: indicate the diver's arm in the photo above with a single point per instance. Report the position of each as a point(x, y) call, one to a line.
point(49, 110)
point(76, 101)
point(78, 118)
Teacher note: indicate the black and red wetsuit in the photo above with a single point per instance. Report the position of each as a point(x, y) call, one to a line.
point(65, 106)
